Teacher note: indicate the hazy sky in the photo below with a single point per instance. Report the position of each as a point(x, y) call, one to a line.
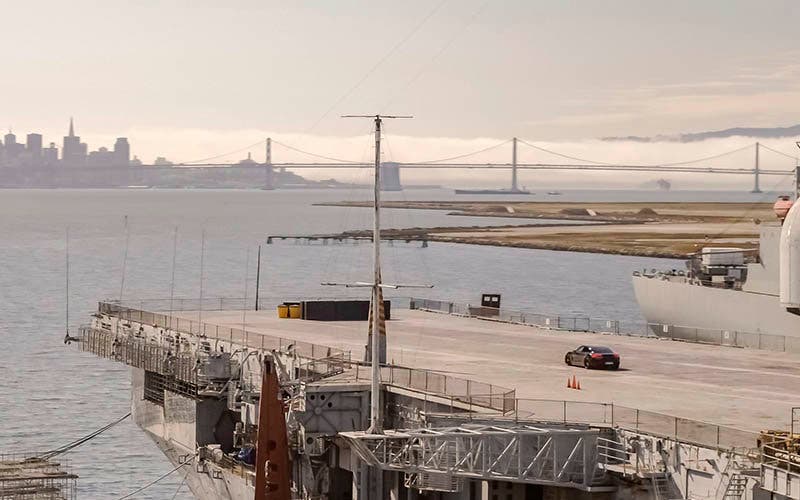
point(546, 70)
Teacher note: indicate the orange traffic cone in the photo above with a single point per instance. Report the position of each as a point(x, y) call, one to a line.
point(569, 384)
point(574, 382)
point(579, 385)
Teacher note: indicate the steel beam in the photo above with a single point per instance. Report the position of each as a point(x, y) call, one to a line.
point(517, 453)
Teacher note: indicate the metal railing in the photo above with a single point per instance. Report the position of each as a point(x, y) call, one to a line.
point(765, 341)
point(577, 323)
point(311, 351)
point(139, 353)
point(455, 391)
point(321, 359)
point(553, 321)
point(781, 454)
point(633, 419)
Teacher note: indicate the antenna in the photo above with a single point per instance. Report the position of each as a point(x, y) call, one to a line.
point(172, 280)
point(246, 286)
point(258, 275)
point(124, 258)
point(202, 271)
point(376, 312)
point(66, 246)
point(67, 338)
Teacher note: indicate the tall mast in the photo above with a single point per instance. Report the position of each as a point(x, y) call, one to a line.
point(375, 417)
point(375, 420)
point(514, 187)
point(66, 245)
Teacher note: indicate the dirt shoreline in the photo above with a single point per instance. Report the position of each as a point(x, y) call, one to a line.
point(664, 230)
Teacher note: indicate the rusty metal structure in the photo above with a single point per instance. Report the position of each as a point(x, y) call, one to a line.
point(29, 477)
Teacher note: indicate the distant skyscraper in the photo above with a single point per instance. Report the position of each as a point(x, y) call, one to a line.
point(33, 146)
point(11, 146)
point(50, 154)
point(122, 152)
point(100, 158)
point(73, 153)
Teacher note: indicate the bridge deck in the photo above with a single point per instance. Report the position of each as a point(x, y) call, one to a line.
point(748, 389)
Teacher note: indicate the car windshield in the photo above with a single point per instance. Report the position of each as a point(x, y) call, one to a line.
point(602, 350)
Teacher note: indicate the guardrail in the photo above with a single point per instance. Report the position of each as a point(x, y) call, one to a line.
point(731, 338)
point(467, 392)
point(553, 321)
point(642, 421)
point(223, 333)
point(578, 323)
point(323, 359)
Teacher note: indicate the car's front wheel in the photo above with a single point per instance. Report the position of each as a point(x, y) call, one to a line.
point(586, 363)
point(566, 360)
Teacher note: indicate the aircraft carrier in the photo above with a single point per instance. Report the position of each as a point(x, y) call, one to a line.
point(495, 419)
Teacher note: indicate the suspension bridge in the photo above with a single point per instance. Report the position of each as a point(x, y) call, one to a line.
point(391, 170)
point(264, 173)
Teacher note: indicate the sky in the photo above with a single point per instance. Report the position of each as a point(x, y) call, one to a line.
point(189, 79)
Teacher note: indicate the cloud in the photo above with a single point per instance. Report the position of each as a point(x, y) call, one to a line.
point(748, 94)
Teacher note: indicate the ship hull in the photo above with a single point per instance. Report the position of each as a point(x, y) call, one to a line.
point(491, 191)
point(174, 428)
point(746, 317)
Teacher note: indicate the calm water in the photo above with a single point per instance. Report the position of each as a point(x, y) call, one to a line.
point(51, 393)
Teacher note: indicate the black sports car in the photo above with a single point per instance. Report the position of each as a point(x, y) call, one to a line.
point(589, 356)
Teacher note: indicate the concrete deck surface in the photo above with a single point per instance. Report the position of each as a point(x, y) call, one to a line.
point(744, 388)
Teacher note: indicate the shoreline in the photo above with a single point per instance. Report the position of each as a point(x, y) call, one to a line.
point(660, 230)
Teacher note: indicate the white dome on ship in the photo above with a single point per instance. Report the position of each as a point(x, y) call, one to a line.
point(790, 259)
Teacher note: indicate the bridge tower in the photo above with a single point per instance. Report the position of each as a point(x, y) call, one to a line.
point(756, 187)
point(390, 176)
point(269, 171)
point(514, 187)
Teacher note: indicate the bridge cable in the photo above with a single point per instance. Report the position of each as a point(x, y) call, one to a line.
point(713, 157)
point(562, 155)
point(464, 155)
point(795, 158)
point(672, 164)
point(203, 160)
point(312, 154)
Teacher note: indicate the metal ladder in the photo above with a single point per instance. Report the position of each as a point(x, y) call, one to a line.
point(662, 489)
point(737, 485)
point(661, 481)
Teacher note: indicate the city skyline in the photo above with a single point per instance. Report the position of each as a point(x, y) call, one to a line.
point(74, 152)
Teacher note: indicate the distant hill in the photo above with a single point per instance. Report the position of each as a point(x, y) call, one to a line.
point(767, 133)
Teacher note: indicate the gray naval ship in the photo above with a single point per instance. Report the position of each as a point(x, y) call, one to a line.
point(732, 296)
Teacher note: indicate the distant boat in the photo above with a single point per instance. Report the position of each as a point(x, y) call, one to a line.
point(492, 191)
point(554, 193)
